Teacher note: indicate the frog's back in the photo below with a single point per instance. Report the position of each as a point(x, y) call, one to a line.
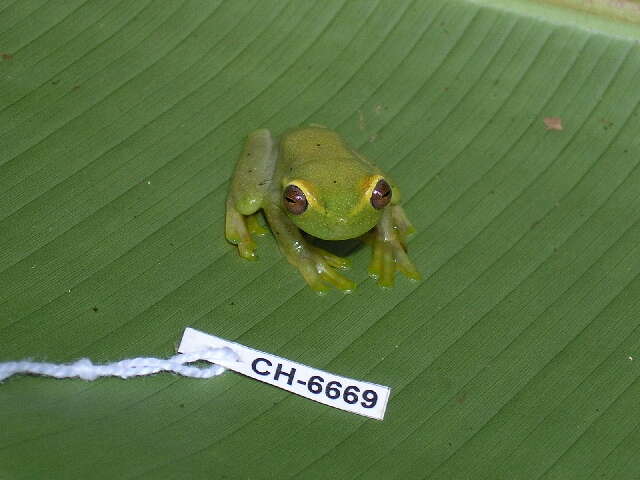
point(315, 144)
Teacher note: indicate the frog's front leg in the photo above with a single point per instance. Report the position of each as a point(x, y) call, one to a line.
point(251, 181)
point(389, 247)
point(316, 265)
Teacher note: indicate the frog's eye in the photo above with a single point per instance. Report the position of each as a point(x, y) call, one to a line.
point(381, 195)
point(294, 200)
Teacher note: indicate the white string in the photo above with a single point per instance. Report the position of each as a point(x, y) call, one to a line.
point(132, 367)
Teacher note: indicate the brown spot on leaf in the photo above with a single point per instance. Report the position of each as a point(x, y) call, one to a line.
point(553, 123)
point(6, 56)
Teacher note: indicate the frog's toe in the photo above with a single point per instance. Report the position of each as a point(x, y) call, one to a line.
point(389, 257)
point(334, 260)
point(318, 286)
point(313, 278)
point(375, 267)
point(247, 249)
point(405, 265)
point(401, 222)
point(338, 281)
point(321, 276)
point(244, 242)
point(254, 226)
point(387, 268)
point(379, 266)
point(236, 232)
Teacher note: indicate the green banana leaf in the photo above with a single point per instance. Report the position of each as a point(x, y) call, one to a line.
point(512, 129)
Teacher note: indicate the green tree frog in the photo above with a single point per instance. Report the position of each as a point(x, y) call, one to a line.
point(311, 181)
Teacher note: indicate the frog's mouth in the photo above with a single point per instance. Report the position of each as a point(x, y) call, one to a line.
point(337, 228)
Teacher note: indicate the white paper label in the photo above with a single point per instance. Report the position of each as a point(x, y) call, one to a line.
point(363, 398)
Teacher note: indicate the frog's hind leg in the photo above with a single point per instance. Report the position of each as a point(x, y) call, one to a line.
point(251, 181)
point(236, 232)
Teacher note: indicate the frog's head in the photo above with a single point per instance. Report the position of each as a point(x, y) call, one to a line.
point(336, 207)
